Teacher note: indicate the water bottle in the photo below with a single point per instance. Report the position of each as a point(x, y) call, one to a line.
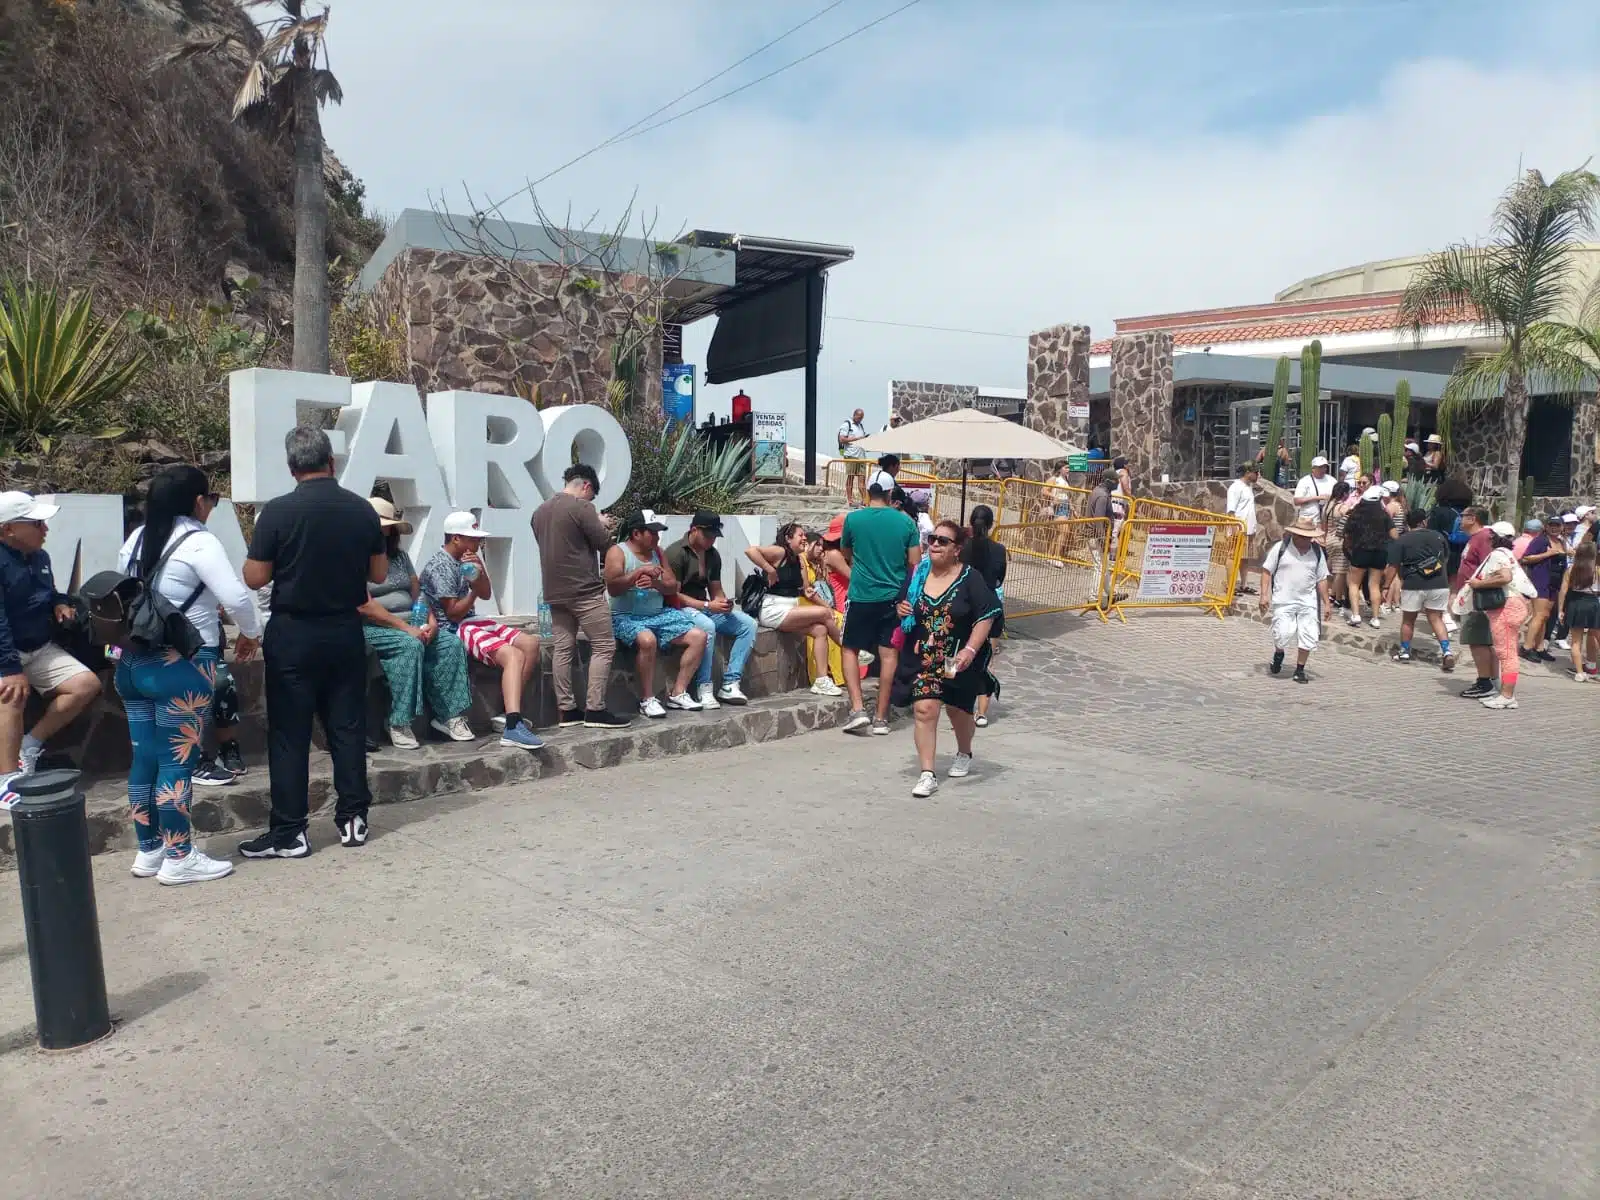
point(469, 571)
point(419, 612)
point(545, 627)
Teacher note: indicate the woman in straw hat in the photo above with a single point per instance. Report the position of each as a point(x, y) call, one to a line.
point(420, 660)
point(1294, 582)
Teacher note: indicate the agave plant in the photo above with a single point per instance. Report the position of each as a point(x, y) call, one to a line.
point(61, 367)
point(676, 469)
point(1417, 494)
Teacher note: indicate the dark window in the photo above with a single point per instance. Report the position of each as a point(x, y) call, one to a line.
point(1547, 450)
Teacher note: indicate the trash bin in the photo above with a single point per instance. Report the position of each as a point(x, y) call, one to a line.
point(58, 910)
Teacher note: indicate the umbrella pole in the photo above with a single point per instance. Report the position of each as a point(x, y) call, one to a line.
point(963, 493)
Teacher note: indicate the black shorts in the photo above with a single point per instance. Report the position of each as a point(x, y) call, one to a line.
point(869, 624)
point(1370, 560)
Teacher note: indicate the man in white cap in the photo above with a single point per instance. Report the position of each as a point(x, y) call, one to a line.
point(31, 605)
point(1294, 583)
point(452, 582)
point(1586, 515)
point(1314, 490)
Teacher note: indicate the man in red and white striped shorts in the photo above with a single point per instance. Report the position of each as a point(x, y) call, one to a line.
point(453, 581)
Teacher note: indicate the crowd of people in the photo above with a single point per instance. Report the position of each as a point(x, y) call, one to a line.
point(329, 597)
point(1507, 597)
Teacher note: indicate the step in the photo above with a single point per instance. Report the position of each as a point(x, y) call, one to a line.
point(452, 768)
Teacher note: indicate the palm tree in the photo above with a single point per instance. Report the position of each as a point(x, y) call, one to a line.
point(288, 76)
point(1569, 351)
point(1514, 284)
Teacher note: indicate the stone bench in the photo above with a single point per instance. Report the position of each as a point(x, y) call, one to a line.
point(97, 742)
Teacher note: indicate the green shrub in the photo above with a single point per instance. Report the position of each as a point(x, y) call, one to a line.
point(62, 369)
point(677, 470)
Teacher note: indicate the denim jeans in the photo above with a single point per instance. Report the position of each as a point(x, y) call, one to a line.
point(737, 625)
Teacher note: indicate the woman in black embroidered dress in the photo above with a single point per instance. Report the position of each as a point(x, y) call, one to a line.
point(952, 610)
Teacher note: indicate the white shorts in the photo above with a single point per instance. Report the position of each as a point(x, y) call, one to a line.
point(1295, 626)
point(774, 609)
point(1424, 600)
point(48, 667)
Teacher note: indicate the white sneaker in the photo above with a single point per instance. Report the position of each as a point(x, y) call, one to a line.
point(1375, 623)
point(1353, 620)
point(823, 686)
point(498, 723)
point(1563, 643)
point(683, 702)
point(651, 708)
point(1499, 701)
point(927, 785)
point(401, 737)
point(731, 693)
point(1387, 609)
point(194, 867)
point(147, 862)
point(856, 720)
point(867, 658)
point(962, 766)
point(457, 729)
point(28, 760)
point(707, 696)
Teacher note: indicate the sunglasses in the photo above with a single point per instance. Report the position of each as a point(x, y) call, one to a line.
point(213, 498)
point(940, 539)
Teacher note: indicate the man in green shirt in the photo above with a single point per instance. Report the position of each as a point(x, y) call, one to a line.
point(884, 549)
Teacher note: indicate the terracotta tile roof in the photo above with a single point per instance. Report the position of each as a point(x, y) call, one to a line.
point(1222, 325)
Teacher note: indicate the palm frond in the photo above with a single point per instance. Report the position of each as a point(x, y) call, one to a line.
point(1457, 277)
point(253, 89)
point(197, 48)
point(325, 87)
point(1473, 388)
point(1566, 356)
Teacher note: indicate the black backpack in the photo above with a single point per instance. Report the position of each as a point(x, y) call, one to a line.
point(127, 612)
point(751, 593)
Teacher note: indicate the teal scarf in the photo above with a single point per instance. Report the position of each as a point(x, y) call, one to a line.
point(914, 593)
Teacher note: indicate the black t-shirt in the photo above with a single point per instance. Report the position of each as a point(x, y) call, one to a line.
point(790, 579)
point(319, 539)
point(1411, 550)
point(685, 564)
point(988, 558)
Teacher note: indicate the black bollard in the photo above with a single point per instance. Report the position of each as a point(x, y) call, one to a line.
point(58, 910)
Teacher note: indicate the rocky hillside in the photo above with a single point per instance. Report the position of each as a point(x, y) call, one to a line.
point(132, 179)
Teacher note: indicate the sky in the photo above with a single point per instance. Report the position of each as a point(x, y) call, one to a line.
point(999, 166)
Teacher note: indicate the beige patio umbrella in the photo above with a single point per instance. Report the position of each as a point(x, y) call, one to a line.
point(966, 433)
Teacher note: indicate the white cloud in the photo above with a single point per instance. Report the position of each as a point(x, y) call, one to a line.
point(1006, 222)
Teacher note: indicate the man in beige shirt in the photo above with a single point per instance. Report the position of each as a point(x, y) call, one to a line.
point(572, 536)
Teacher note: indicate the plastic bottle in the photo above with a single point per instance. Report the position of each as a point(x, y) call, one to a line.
point(469, 571)
point(419, 612)
point(545, 626)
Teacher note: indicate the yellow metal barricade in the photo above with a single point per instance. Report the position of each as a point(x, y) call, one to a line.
point(1056, 566)
point(1028, 500)
point(1189, 559)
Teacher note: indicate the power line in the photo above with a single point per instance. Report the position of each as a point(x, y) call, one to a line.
point(770, 74)
point(1022, 337)
point(623, 134)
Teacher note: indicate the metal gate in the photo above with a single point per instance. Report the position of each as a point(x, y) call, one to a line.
point(1248, 422)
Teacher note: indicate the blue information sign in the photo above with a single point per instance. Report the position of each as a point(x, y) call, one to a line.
point(677, 392)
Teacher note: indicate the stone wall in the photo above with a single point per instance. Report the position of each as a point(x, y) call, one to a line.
point(1476, 444)
point(1058, 377)
point(1141, 404)
point(476, 324)
point(917, 401)
point(1585, 431)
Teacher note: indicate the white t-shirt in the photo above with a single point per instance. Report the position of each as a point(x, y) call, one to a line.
point(1295, 575)
point(1350, 469)
point(201, 560)
point(851, 429)
point(1242, 503)
point(1315, 490)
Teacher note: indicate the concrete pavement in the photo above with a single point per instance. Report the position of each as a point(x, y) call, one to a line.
point(1132, 955)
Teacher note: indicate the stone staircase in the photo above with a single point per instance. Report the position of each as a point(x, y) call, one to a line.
point(812, 506)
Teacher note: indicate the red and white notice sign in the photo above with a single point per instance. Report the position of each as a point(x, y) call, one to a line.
point(1176, 560)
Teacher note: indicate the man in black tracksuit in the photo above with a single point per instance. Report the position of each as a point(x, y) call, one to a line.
point(319, 547)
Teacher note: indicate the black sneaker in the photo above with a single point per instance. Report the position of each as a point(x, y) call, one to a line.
point(352, 831)
point(1300, 675)
point(1545, 656)
point(599, 718)
point(232, 758)
point(274, 845)
point(1527, 655)
point(570, 717)
point(1401, 655)
point(1478, 691)
point(211, 774)
point(1277, 662)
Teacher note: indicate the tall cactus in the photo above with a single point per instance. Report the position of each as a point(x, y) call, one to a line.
point(1402, 426)
point(1385, 440)
point(1277, 419)
point(1365, 451)
point(1310, 403)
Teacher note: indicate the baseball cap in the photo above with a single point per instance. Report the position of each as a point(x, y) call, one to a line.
point(1369, 432)
point(709, 521)
point(1413, 446)
point(1391, 486)
point(1569, 518)
point(19, 506)
point(1582, 511)
point(1533, 525)
point(1319, 461)
point(1503, 529)
point(641, 518)
point(462, 524)
point(1373, 493)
